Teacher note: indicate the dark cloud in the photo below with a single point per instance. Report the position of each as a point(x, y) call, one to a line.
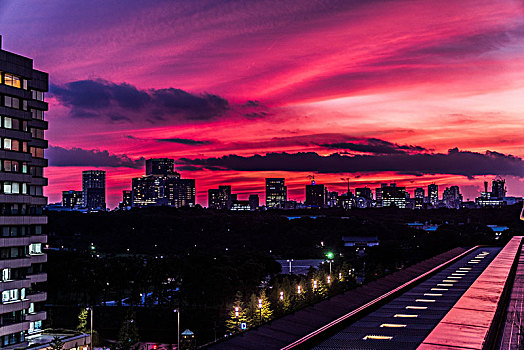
point(374, 146)
point(455, 162)
point(124, 102)
point(59, 156)
point(189, 142)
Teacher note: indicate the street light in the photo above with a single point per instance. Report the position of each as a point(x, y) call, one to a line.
point(330, 256)
point(91, 331)
point(260, 308)
point(299, 289)
point(289, 261)
point(314, 284)
point(178, 328)
point(281, 295)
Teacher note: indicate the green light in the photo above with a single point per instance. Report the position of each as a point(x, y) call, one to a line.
point(330, 255)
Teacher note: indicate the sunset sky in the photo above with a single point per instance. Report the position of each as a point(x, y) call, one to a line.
point(412, 92)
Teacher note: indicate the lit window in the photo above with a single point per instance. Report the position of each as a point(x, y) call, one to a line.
point(425, 300)
point(377, 337)
point(12, 80)
point(405, 316)
point(392, 325)
point(409, 307)
point(7, 187)
point(432, 294)
point(444, 285)
point(7, 144)
point(439, 289)
point(8, 124)
point(449, 281)
point(6, 275)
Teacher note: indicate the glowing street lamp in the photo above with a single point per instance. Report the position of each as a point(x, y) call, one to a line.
point(281, 295)
point(290, 261)
point(330, 256)
point(236, 311)
point(260, 308)
point(299, 289)
point(314, 284)
point(329, 279)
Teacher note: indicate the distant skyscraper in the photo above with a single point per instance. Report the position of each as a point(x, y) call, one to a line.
point(254, 201)
point(364, 192)
point(22, 259)
point(419, 192)
point(394, 196)
point(276, 192)
point(452, 197)
point(498, 188)
point(94, 189)
point(162, 185)
point(433, 194)
point(72, 199)
point(378, 194)
point(316, 195)
point(127, 199)
point(160, 166)
point(220, 198)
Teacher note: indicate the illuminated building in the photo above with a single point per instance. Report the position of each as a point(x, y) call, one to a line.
point(315, 195)
point(498, 188)
point(22, 260)
point(163, 187)
point(160, 166)
point(433, 194)
point(452, 197)
point(240, 205)
point(220, 198)
point(127, 200)
point(364, 192)
point(94, 189)
point(72, 199)
point(378, 194)
point(394, 196)
point(276, 192)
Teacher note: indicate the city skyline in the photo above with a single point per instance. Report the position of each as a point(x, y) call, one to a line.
point(377, 92)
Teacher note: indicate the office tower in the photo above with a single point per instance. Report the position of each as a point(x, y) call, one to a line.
point(160, 166)
point(254, 201)
point(94, 189)
point(72, 199)
point(163, 186)
point(419, 192)
point(276, 192)
point(364, 192)
point(315, 195)
point(378, 194)
point(22, 109)
point(498, 188)
point(452, 197)
point(220, 198)
point(394, 196)
point(127, 199)
point(433, 194)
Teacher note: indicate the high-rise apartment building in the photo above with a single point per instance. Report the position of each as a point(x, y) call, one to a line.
point(22, 125)
point(364, 192)
point(94, 189)
point(160, 166)
point(433, 194)
point(394, 195)
point(276, 192)
point(378, 194)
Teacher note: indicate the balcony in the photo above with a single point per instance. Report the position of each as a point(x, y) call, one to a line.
point(23, 220)
point(37, 297)
point(14, 328)
point(38, 258)
point(37, 277)
point(16, 284)
point(14, 241)
point(16, 263)
point(37, 316)
point(14, 306)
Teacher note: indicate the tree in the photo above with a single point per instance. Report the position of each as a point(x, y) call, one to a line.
point(260, 308)
point(82, 321)
point(238, 315)
point(56, 344)
point(128, 335)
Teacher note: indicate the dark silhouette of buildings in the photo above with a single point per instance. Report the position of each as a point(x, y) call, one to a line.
point(433, 194)
point(315, 195)
point(72, 199)
point(220, 198)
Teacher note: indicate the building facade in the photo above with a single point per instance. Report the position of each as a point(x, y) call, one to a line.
point(394, 196)
point(316, 195)
point(94, 189)
point(22, 109)
point(220, 198)
point(433, 194)
point(72, 199)
point(160, 166)
point(276, 192)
